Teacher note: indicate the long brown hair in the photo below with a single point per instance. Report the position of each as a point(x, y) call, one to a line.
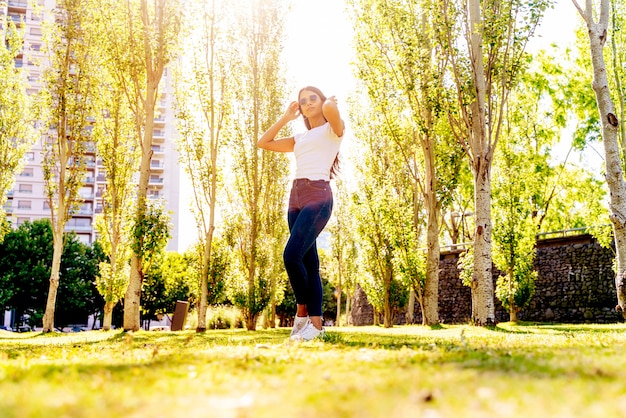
point(334, 169)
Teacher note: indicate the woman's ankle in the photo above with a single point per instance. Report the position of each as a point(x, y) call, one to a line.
point(302, 311)
point(316, 321)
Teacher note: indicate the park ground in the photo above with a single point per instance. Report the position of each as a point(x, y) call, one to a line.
point(511, 370)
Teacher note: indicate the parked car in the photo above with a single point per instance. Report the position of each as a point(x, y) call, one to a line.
point(23, 328)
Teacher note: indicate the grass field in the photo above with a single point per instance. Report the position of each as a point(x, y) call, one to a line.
point(411, 371)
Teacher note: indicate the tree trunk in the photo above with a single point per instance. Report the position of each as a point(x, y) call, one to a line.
point(132, 298)
point(273, 315)
point(108, 315)
point(348, 308)
point(610, 130)
point(204, 288)
point(483, 311)
point(483, 308)
point(251, 320)
point(48, 317)
point(431, 285)
point(387, 315)
point(512, 307)
point(410, 312)
point(338, 290)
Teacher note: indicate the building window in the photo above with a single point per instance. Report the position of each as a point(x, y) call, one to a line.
point(27, 172)
point(30, 156)
point(24, 204)
point(26, 188)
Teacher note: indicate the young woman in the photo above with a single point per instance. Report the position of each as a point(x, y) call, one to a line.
point(311, 199)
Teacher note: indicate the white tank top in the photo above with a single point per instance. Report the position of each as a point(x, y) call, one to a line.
point(315, 151)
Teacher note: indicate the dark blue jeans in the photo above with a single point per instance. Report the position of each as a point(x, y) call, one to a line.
point(310, 206)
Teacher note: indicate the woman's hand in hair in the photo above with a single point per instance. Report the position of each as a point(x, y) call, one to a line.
point(268, 140)
point(292, 112)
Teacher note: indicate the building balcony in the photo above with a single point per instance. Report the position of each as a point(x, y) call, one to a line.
point(157, 165)
point(156, 181)
point(17, 4)
point(16, 18)
point(69, 228)
point(84, 211)
point(157, 149)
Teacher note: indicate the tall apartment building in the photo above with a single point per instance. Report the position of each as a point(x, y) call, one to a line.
point(26, 202)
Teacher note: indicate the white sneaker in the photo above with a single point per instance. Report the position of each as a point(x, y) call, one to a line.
point(299, 322)
point(308, 333)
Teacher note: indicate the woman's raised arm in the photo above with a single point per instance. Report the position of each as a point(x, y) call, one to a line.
point(268, 140)
point(331, 114)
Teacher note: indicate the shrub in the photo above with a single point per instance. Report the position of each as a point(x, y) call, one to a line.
point(224, 317)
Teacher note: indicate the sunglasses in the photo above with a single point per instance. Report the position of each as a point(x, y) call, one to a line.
point(312, 99)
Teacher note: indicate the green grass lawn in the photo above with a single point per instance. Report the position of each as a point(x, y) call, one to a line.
point(449, 371)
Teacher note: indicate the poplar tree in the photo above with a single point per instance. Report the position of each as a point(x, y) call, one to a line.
point(597, 18)
point(205, 98)
point(256, 223)
point(69, 97)
point(16, 124)
point(118, 155)
point(383, 209)
point(399, 58)
point(142, 38)
point(485, 44)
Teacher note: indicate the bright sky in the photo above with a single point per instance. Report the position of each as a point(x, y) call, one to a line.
point(319, 42)
point(318, 48)
point(318, 52)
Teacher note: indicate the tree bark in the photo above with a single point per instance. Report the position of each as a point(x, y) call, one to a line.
point(153, 61)
point(483, 307)
point(483, 311)
point(204, 288)
point(512, 307)
point(108, 315)
point(48, 317)
point(410, 316)
point(387, 317)
point(338, 319)
point(431, 285)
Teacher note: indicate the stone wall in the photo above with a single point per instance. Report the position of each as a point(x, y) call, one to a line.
point(575, 284)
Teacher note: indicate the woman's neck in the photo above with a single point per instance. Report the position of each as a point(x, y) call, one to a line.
point(317, 121)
